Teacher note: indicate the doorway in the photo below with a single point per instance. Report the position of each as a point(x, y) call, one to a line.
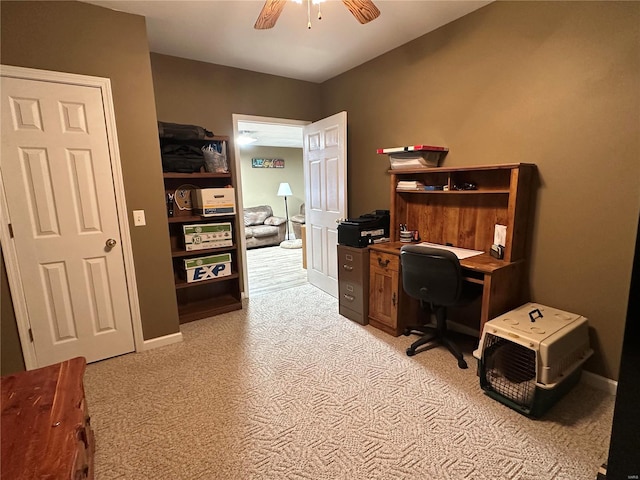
point(269, 164)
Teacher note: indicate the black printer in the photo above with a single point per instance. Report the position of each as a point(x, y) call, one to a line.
point(364, 230)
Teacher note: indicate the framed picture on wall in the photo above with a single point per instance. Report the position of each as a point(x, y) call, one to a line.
point(267, 162)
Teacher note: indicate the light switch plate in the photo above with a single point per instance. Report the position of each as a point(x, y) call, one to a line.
point(138, 218)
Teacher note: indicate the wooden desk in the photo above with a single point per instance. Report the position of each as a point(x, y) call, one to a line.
point(45, 424)
point(446, 213)
point(391, 310)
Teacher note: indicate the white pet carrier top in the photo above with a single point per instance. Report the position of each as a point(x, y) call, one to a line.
point(559, 339)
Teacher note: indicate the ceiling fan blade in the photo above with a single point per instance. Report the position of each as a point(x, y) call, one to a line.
point(269, 15)
point(363, 10)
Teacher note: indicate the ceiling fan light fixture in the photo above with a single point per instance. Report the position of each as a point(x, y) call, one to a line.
point(364, 11)
point(245, 138)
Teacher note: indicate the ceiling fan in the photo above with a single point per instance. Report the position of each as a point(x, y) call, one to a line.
point(363, 10)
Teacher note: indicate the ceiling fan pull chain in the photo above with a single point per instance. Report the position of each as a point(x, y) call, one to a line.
point(319, 12)
point(309, 14)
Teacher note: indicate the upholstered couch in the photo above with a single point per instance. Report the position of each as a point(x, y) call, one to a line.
point(261, 228)
point(297, 221)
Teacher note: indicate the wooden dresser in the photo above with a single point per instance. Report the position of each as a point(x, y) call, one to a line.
point(46, 431)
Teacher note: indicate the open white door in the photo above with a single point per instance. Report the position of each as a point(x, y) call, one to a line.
point(325, 169)
point(58, 182)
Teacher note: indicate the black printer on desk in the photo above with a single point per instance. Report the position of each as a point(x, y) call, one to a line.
point(364, 230)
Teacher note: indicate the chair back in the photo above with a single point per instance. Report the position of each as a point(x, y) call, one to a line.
point(432, 275)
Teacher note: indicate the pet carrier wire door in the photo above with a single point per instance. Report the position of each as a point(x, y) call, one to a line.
point(531, 356)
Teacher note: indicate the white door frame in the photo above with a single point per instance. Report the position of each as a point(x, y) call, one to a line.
point(7, 242)
point(236, 117)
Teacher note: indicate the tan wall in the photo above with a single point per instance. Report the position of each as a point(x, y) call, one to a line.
point(260, 185)
point(80, 38)
point(551, 83)
point(204, 94)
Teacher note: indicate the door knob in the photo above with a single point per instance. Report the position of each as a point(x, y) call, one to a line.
point(110, 243)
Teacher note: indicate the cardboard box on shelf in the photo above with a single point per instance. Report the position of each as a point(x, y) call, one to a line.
point(207, 268)
point(212, 202)
point(207, 235)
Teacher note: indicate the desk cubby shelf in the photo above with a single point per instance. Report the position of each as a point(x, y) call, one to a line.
point(502, 196)
point(488, 179)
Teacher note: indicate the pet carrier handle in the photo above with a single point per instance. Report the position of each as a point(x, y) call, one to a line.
point(535, 310)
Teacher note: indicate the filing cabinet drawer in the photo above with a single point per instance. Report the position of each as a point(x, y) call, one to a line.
point(351, 295)
point(384, 261)
point(353, 283)
point(350, 275)
point(350, 261)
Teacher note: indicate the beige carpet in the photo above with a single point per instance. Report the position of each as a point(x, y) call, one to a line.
point(289, 389)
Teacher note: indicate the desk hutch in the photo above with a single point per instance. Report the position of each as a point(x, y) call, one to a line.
point(462, 218)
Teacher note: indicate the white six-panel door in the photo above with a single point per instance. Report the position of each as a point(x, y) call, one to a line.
point(325, 165)
point(57, 177)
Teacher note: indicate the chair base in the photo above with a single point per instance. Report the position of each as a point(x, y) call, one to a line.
point(436, 336)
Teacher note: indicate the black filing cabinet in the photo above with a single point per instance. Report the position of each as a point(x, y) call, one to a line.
point(353, 283)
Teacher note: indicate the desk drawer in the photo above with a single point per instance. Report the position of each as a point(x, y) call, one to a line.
point(384, 261)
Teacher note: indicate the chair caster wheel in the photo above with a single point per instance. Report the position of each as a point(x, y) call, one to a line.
point(407, 332)
point(410, 353)
point(462, 364)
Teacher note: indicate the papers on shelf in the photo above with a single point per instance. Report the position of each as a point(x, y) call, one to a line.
point(412, 148)
point(414, 156)
point(410, 185)
point(459, 252)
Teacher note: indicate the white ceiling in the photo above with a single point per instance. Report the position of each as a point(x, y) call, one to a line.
point(221, 32)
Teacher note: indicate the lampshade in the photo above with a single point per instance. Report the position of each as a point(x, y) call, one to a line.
point(284, 190)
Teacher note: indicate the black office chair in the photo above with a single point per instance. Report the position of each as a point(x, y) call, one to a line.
point(434, 276)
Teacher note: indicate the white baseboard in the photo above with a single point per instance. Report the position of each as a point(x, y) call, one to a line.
point(601, 383)
point(161, 341)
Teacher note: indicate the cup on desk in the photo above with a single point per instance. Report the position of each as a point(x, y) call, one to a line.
point(407, 236)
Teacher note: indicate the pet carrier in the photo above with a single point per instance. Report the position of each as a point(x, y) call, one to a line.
point(531, 356)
